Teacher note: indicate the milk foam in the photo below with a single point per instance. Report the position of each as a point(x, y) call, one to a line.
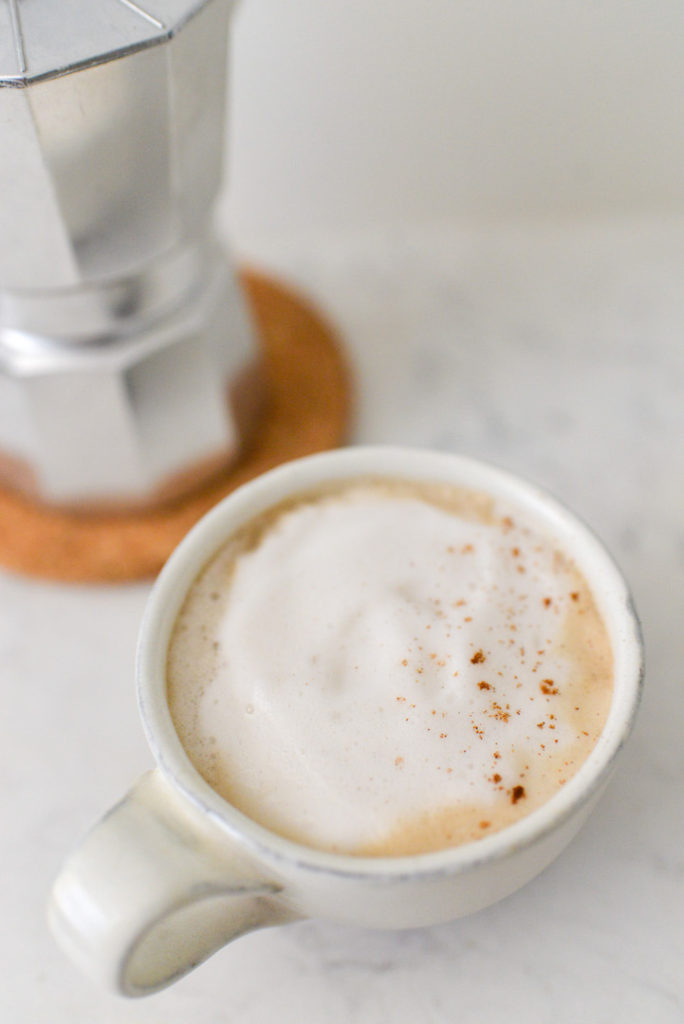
point(387, 670)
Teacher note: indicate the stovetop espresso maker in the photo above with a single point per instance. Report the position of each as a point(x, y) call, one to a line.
point(126, 351)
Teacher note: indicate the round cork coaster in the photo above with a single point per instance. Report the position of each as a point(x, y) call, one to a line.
point(306, 410)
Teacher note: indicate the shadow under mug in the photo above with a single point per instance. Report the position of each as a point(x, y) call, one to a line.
point(174, 872)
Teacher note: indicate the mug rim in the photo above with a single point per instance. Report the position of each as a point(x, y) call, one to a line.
point(390, 462)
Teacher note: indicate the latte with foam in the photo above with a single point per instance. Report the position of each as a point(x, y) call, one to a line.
point(386, 668)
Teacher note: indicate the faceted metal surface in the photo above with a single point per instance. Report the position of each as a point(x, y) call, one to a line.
point(112, 158)
point(135, 419)
point(111, 144)
point(42, 38)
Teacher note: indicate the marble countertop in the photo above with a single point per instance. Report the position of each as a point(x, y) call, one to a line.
point(555, 351)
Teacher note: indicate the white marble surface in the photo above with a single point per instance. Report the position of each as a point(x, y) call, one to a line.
point(556, 351)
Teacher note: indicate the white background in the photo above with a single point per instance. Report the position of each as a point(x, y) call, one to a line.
point(346, 113)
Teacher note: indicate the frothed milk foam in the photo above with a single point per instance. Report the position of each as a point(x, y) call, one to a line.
point(383, 668)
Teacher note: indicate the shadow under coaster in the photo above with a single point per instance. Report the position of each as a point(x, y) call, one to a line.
point(307, 410)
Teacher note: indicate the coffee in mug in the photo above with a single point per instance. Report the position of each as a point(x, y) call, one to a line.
point(383, 687)
point(386, 668)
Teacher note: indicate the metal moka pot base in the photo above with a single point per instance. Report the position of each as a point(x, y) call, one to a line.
point(306, 408)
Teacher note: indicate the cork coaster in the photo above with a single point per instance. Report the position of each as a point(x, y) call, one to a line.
point(307, 410)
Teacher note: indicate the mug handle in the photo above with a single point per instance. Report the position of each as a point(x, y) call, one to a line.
point(152, 892)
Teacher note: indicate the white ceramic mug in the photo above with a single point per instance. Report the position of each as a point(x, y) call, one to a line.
point(173, 872)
